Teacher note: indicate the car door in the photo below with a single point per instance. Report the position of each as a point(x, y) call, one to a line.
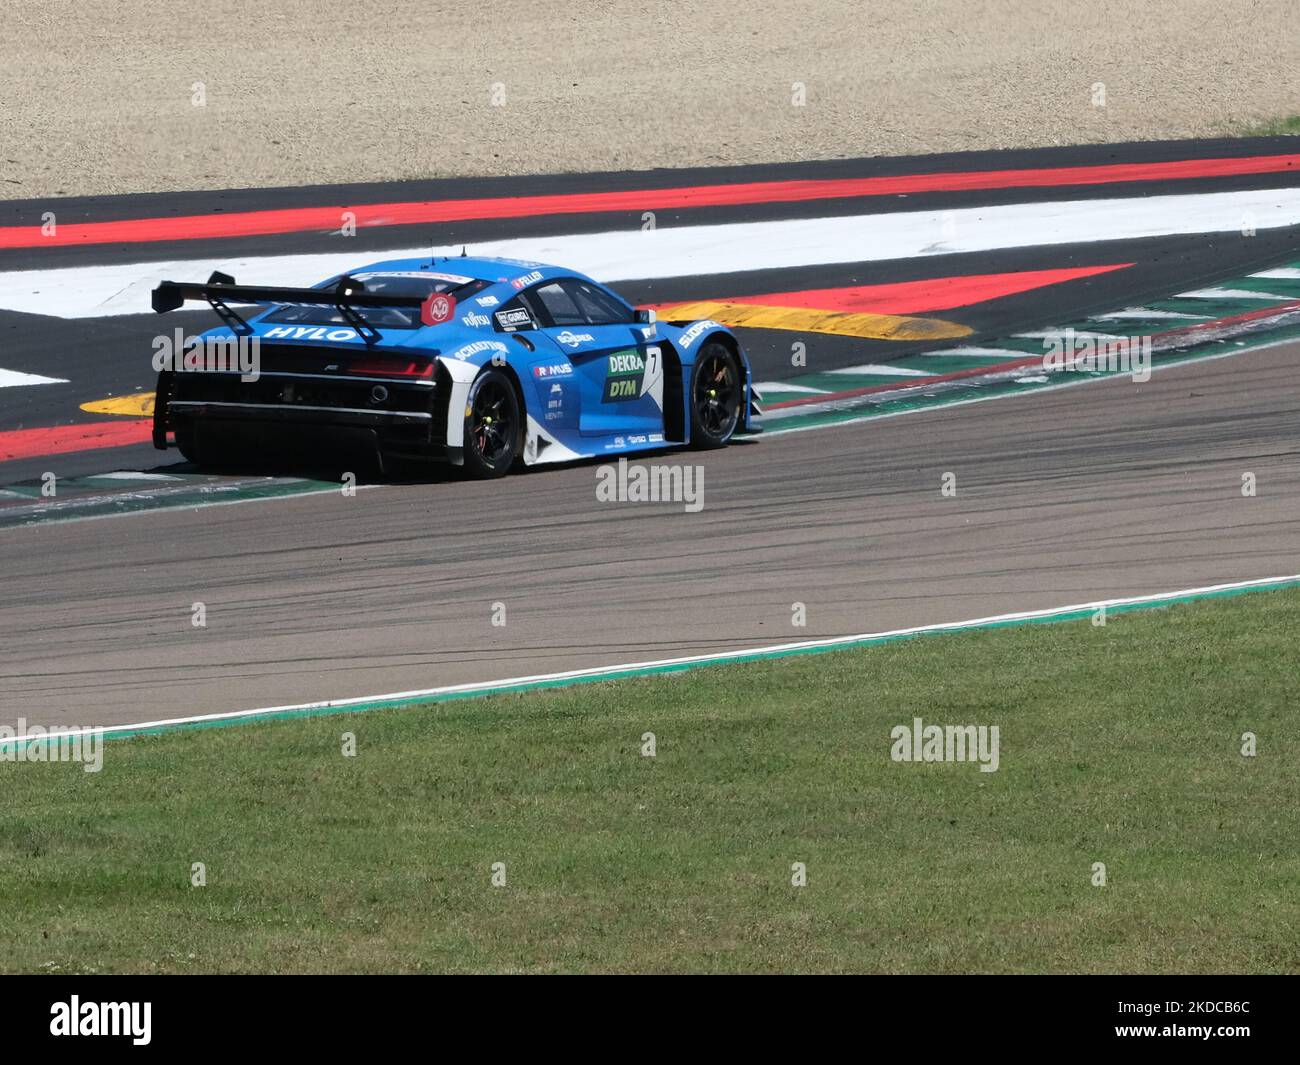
point(619, 371)
point(556, 391)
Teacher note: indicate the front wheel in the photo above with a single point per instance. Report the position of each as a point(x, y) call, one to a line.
point(715, 396)
point(492, 425)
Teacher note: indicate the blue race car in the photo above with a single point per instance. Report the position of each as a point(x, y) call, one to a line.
point(482, 363)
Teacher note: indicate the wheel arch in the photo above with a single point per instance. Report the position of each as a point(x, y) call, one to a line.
point(461, 380)
point(729, 341)
point(677, 375)
point(513, 377)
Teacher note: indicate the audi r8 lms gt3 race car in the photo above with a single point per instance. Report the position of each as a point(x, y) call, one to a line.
point(476, 362)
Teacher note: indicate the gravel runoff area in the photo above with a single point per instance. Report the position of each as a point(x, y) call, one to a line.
point(99, 96)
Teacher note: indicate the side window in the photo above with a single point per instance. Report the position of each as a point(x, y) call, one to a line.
point(557, 304)
point(596, 306)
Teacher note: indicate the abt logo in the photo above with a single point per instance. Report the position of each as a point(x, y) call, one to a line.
point(438, 308)
point(132, 1019)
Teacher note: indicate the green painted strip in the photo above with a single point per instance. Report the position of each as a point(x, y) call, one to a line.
point(841, 382)
point(102, 482)
point(1209, 308)
point(132, 499)
point(938, 363)
point(26, 490)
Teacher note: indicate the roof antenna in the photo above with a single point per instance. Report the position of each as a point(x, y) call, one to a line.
point(462, 251)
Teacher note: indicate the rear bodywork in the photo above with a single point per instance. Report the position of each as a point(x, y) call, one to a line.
point(383, 358)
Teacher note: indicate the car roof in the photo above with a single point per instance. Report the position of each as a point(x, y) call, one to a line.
point(493, 270)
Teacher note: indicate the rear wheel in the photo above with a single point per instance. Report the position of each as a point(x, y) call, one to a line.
point(217, 453)
point(222, 449)
point(715, 396)
point(186, 444)
point(492, 425)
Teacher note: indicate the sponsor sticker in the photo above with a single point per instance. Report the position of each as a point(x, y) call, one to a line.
point(438, 308)
point(695, 332)
point(309, 332)
point(555, 409)
point(527, 279)
point(558, 369)
point(623, 376)
point(475, 319)
point(572, 340)
point(477, 348)
point(487, 301)
point(514, 318)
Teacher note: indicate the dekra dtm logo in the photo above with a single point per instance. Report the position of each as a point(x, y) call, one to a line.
point(623, 376)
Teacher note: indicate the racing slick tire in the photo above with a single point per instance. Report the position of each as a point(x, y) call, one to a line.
point(715, 396)
point(493, 425)
point(186, 444)
point(198, 446)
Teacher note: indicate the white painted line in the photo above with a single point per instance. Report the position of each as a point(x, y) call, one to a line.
point(881, 370)
point(714, 658)
point(1148, 312)
point(12, 378)
point(1079, 334)
point(781, 386)
point(134, 475)
point(1002, 354)
point(683, 251)
point(1282, 273)
point(1233, 294)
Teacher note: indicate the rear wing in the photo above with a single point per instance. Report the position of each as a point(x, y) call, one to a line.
point(220, 291)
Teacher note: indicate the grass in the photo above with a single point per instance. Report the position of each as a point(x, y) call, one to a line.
point(1276, 127)
point(1119, 744)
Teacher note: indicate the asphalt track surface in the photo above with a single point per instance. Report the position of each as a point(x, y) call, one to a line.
point(1106, 489)
point(1100, 490)
point(111, 355)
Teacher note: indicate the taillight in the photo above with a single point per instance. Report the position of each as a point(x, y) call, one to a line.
point(392, 367)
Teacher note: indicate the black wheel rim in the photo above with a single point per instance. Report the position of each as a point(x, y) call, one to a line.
point(717, 386)
point(492, 422)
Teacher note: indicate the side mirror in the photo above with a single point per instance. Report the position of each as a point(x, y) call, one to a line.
point(646, 317)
